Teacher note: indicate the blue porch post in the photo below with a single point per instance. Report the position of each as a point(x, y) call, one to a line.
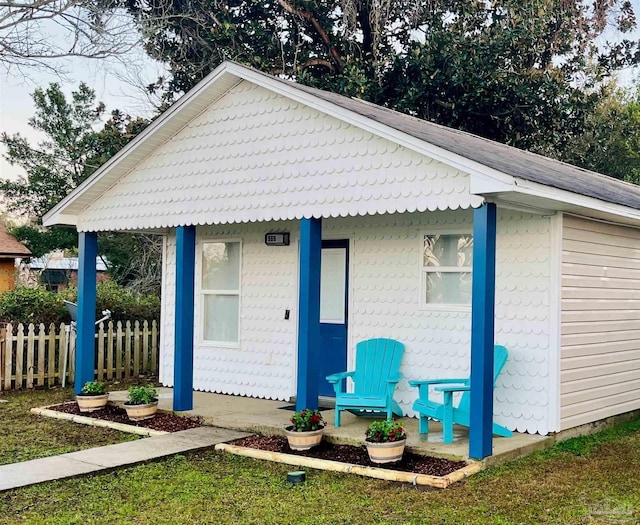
point(309, 313)
point(183, 343)
point(482, 329)
point(85, 328)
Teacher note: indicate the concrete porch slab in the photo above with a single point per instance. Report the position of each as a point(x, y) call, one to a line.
point(268, 417)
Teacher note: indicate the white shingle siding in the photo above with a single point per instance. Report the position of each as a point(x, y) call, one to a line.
point(167, 310)
point(256, 156)
point(600, 357)
point(384, 302)
point(263, 364)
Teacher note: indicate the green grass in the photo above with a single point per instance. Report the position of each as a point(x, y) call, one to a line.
point(24, 436)
point(586, 480)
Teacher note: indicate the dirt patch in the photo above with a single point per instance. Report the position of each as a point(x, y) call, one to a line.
point(355, 455)
point(162, 421)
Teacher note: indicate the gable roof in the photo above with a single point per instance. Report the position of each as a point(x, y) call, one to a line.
point(10, 246)
point(462, 150)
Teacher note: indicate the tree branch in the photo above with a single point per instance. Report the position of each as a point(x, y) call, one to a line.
point(309, 17)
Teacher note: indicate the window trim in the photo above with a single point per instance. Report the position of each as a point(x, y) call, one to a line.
point(438, 307)
point(202, 293)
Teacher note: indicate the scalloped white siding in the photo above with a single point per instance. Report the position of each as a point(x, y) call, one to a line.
point(258, 156)
point(384, 296)
point(263, 365)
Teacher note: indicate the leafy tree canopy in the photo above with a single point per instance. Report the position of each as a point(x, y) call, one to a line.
point(610, 143)
point(523, 73)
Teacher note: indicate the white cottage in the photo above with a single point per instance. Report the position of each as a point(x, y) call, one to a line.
point(253, 180)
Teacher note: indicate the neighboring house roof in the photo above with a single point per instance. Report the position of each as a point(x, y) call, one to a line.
point(10, 246)
point(53, 261)
point(497, 171)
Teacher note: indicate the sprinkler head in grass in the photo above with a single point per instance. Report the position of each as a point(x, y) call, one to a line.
point(299, 476)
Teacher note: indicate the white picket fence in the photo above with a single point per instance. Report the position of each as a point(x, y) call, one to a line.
point(34, 356)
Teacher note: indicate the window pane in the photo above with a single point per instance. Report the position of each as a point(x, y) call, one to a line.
point(448, 250)
point(221, 266)
point(333, 269)
point(448, 287)
point(221, 318)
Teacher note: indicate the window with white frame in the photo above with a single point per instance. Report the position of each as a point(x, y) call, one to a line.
point(220, 291)
point(446, 268)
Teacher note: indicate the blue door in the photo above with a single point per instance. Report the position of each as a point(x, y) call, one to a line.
point(334, 295)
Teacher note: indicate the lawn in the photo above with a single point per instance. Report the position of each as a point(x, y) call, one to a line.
point(24, 436)
point(584, 480)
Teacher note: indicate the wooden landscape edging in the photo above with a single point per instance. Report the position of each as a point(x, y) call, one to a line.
point(95, 422)
point(34, 355)
point(440, 482)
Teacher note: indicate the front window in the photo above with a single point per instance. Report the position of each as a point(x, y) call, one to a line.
point(446, 268)
point(220, 291)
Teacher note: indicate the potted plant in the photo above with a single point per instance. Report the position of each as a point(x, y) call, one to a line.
point(306, 429)
point(385, 441)
point(92, 397)
point(142, 402)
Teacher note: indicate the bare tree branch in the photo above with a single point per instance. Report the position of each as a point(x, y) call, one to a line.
point(34, 32)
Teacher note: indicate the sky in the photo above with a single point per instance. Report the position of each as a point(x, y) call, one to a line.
point(114, 82)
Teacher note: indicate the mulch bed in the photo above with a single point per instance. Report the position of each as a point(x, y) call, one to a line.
point(161, 421)
point(355, 455)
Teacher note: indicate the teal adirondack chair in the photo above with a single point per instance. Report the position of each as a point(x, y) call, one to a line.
point(445, 412)
point(375, 379)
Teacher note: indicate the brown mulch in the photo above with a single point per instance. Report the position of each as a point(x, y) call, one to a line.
point(161, 421)
point(355, 455)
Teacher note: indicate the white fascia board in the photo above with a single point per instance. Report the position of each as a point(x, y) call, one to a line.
point(547, 192)
point(58, 218)
point(497, 183)
point(489, 183)
point(57, 212)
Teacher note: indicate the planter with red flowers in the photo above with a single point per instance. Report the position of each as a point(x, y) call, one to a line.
point(385, 441)
point(306, 429)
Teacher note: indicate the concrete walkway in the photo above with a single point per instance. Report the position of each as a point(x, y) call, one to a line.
point(104, 458)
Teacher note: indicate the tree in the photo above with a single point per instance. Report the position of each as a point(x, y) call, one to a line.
point(523, 73)
point(73, 149)
point(610, 143)
point(76, 144)
point(32, 32)
point(59, 163)
point(41, 242)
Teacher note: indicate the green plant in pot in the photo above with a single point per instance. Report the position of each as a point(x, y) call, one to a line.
point(385, 441)
point(306, 429)
point(142, 402)
point(92, 397)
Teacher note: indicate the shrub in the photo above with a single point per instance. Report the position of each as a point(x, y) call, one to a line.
point(123, 304)
point(37, 305)
point(32, 305)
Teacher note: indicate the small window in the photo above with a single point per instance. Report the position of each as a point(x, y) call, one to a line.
point(220, 291)
point(446, 268)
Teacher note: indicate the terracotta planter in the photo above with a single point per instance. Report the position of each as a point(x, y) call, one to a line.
point(303, 440)
point(388, 452)
point(92, 403)
point(140, 412)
